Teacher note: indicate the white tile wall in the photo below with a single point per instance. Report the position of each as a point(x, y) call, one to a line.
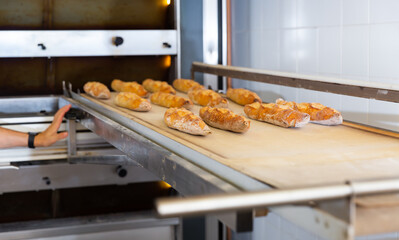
point(329, 50)
point(384, 50)
point(307, 50)
point(355, 12)
point(287, 10)
point(288, 50)
point(384, 11)
point(355, 51)
point(355, 39)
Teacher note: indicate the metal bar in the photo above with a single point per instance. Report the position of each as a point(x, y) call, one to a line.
point(228, 40)
point(26, 105)
point(104, 160)
point(372, 90)
point(242, 201)
point(60, 43)
point(178, 38)
point(72, 149)
point(83, 225)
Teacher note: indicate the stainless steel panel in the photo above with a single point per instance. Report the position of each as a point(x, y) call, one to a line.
point(64, 175)
point(28, 104)
point(82, 226)
point(86, 43)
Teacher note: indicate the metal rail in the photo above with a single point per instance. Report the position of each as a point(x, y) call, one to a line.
point(250, 200)
point(379, 91)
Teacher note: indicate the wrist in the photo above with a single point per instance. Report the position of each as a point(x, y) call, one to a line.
point(32, 140)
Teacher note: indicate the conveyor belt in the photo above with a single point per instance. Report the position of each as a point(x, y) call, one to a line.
point(285, 158)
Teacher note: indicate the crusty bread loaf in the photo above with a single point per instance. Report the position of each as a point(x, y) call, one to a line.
point(132, 101)
point(97, 90)
point(185, 121)
point(224, 119)
point(158, 86)
point(169, 100)
point(275, 114)
point(242, 96)
point(318, 113)
point(184, 85)
point(134, 87)
point(205, 97)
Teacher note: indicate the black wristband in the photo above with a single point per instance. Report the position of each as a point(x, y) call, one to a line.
point(31, 139)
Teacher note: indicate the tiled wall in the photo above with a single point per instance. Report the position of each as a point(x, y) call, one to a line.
point(355, 39)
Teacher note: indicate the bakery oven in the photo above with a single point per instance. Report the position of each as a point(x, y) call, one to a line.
point(81, 187)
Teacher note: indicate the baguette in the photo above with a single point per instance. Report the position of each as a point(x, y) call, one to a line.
point(185, 121)
point(205, 97)
point(132, 101)
point(97, 90)
point(169, 100)
point(242, 96)
point(318, 113)
point(133, 87)
point(224, 119)
point(158, 86)
point(279, 115)
point(184, 85)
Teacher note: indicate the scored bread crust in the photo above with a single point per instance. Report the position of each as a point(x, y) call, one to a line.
point(318, 113)
point(185, 121)
point(134, 87)
point(242, 96)
point(279, 115)
point(169, 100)
point(158, 86)
point(206, 97)
point(132, 101)
point(224, 119)
point(184, 85)
point(97, 90)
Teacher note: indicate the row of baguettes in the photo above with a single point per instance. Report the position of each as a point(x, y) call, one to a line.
point(216, 112)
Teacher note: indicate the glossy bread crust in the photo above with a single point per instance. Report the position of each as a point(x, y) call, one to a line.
point(242, 96)
point(97, 90)
point(133, 87)
point(318, 113)
point(277, 115)
point(224, 119)
point(184, 85)
point(169, 100)
point(205, 97)
point(158, 86)
point(185, 121)
point(132, 101)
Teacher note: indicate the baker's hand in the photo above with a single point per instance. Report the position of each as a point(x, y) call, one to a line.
point(50, 136)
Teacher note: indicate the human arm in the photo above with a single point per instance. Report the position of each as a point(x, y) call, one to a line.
point(10, 138)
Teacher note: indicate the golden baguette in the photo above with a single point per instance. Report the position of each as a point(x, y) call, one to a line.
point(205, 97)
point(97, 90)
point(132, 101)
point(133, 87)
point(184, 85)
point(318, 113)
point(242, 96)
point(169, 100)
point(224, 119)
point(158, 86)
point(185, 121)
point(279, 115)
